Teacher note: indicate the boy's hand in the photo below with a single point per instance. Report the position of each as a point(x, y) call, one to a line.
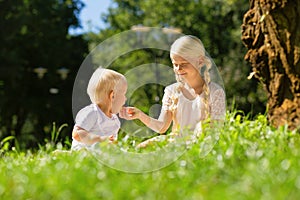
point(75, 133)
point(106, 138)
point(112, 140)
point(76, 136)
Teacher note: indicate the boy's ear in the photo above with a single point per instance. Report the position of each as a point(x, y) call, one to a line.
point(111, 95)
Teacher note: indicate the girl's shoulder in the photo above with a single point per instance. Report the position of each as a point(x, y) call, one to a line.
point(173, 87)
point(214, 87)
point(217, 92)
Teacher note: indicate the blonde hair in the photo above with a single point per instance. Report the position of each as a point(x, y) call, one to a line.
point(102, 83)
point(191, 49)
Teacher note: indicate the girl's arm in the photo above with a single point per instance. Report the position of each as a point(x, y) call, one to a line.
point(159, 125)
point(85, 137)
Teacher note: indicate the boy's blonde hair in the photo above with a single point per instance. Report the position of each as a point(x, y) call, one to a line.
point(102, 83)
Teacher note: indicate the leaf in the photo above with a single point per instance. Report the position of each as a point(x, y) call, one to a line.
point(7, 139)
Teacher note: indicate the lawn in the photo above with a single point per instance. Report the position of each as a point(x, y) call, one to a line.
point(248, 160)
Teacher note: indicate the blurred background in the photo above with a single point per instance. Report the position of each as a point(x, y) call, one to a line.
point(43, 44)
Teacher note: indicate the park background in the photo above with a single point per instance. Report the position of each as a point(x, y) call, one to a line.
point(42, 49)
point(45, 37)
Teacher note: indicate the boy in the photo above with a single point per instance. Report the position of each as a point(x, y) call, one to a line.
point(98, 122)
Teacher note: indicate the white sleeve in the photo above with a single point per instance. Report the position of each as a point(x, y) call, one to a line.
point(167, 99)
point(86, 118)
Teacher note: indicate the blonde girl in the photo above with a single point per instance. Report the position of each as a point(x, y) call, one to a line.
point(196, 96)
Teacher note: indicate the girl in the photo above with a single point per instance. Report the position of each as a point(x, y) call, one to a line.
point(193, 98)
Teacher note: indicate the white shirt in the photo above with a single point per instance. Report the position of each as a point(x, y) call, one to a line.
point(92, 119)
point(189, 113)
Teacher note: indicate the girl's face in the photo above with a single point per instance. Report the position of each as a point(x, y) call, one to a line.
point(119, 97)
point(184, 69)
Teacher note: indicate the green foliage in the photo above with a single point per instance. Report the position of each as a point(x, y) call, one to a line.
point(52, 140)
point(251, 160)
point(38, 36)
point(217, 23)
point(35, 34)
point(55, 133)
point(5, 144)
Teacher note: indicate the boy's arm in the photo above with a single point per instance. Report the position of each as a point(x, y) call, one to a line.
point(85, 137)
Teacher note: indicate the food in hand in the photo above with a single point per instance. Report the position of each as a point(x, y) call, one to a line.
point(130, 112)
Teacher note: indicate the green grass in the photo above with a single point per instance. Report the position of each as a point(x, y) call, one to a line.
point(251, 160)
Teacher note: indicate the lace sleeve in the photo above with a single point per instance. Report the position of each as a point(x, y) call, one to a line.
point(218, 105)
point(167, 101)
point(170, 98)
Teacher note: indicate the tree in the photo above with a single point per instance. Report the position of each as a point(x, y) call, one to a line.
point(216, 23)
point(34, 34)
point(271, 32)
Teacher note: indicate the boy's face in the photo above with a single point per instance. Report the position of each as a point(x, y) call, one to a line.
point(119, 96)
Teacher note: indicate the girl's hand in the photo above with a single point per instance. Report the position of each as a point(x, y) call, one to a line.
point(129, 113)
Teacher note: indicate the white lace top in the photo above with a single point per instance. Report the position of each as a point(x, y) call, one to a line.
point(190, 112)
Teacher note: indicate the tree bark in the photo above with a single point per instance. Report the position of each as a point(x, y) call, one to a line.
point(271, 32)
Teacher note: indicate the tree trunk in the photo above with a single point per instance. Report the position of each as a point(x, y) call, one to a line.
point(271, 32)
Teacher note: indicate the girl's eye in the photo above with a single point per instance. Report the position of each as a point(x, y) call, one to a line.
point(182, 65)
